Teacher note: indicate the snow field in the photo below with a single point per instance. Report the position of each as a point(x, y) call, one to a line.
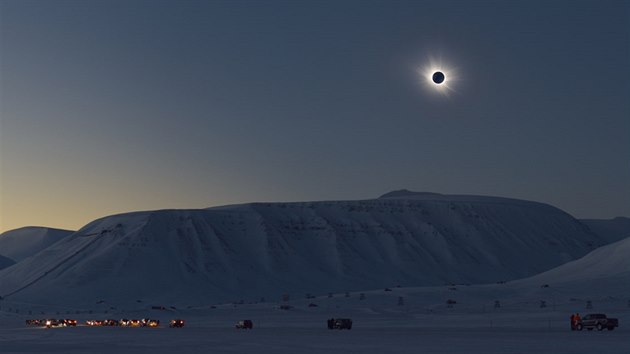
point(298, 331)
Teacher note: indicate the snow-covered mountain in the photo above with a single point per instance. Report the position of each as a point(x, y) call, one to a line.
point(611, 230)
point(606, 270)
point(5, 262)
point(268, 249)
point(26, 241)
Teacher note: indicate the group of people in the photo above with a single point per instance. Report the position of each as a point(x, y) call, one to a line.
point(575, 320)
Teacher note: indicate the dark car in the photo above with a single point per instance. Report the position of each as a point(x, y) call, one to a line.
point(69, 322)
point(35, 322)
point(53, 323)
point(96, 323)
point(245, 324)
point(339, 323)
point(597, 320)
point(152, 323)
point(176, 323)
point(110, 322)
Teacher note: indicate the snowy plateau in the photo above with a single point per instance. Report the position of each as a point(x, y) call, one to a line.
point(416, 272)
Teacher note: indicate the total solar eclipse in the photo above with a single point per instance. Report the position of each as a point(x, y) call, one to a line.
point(438, 77)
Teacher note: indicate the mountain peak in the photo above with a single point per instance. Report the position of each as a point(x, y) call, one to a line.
point(401, 193)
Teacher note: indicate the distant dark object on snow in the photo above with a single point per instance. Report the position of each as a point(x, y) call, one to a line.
point(176, 324)
point(245, 324)
point(597, 320)
point(339, 323)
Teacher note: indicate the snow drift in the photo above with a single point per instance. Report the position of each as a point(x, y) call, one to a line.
point(267, 249)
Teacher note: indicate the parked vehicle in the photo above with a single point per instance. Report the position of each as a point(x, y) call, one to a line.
point(340, 323)
point(69, 322)
point(245, 324)
point(135, 323)
point(597, 320)
point(152, 323)
point(110, 322)
point(176, 323)
point(35, 322)
point(53, 323)
point(96, 323)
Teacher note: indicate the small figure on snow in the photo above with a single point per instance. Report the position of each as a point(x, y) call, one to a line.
point(575, 320)
point(578, 320)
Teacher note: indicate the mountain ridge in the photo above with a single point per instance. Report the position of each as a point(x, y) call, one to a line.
point(18, 244)
point(266, 249)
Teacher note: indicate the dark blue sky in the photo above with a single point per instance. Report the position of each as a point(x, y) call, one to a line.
point(112, 106)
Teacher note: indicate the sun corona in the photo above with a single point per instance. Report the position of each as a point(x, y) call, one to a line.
point(436, 76)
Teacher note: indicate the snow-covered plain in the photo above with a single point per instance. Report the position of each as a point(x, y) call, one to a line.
point(473, 325)
point(492, 318)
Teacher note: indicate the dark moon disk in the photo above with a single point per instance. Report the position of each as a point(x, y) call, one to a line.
point(438, 77)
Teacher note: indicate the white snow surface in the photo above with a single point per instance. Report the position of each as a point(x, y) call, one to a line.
point(382, 323)
point(24, 242)
point(300, 332)
point(245, 252)
point(606, 270)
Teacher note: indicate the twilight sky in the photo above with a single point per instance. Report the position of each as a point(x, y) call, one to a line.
point(116, 106)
